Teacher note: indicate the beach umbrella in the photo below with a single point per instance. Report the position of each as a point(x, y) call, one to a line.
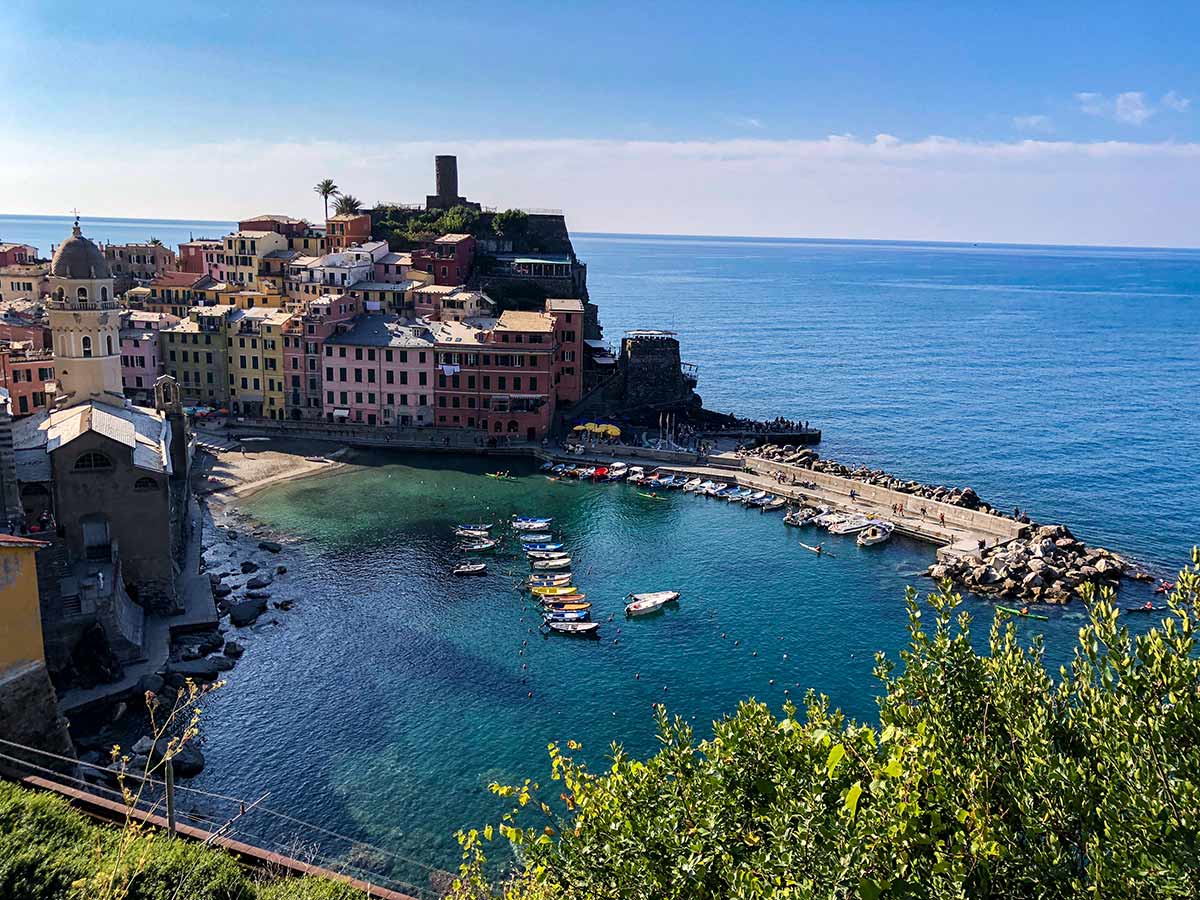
point(611, 430)
point(579, 428)
point(592, 426)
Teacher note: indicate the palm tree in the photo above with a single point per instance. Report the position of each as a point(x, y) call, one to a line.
point(347, 204)
point(326, 188)
point(155, 242)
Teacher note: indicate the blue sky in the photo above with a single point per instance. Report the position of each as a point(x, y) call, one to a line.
point(854, 111)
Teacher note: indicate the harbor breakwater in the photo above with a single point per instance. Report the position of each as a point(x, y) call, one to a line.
point(1013, 558)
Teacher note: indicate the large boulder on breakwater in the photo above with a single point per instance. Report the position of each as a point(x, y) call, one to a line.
point(258, 582)
point(249, 566)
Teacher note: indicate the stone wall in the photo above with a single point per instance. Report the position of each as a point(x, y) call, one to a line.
point(1003, 529)
point(653, 377)
point(29, 715)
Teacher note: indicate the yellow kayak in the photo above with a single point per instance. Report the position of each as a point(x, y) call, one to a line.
point(570, 607)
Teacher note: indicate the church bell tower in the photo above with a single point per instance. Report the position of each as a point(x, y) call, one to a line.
point(85, 320)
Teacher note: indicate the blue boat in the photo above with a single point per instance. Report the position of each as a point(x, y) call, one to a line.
point(565, 615)
point(528, 547)
point(547, 466)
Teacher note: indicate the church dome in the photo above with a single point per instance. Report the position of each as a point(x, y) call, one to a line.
point(77, 257)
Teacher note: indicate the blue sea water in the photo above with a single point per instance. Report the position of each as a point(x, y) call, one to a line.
point(1060, 379)
point(44, 232)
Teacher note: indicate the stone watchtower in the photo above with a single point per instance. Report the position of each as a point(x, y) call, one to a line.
point(85, 320)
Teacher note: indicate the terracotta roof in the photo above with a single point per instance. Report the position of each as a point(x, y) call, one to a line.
point(177, 279)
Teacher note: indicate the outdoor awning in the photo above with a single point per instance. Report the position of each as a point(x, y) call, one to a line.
point(341, 413)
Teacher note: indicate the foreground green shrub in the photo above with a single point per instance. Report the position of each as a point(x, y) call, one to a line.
point(985, 777)
point(48, 851)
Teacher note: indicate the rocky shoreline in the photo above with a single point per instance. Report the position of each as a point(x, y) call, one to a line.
point(246, 566)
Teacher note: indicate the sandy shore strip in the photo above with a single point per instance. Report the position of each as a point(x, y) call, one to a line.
point(242, 472)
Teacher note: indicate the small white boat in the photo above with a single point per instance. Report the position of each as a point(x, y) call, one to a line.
point(536, 536)
point(527, 523)
point(755, 497)
point(544, 564)
point(691, 486)
point(471, 569)
point(470, 533)
point(826, 519)
point(549, 579)
point(774, 504)
point(479, 546)
point(636, 474)
point(805, 515)
point(486, 526)
point(546, 554)
point(578, 629)
point(849, 525)
point(643, 604)
point(619, 470)
point(877, 533)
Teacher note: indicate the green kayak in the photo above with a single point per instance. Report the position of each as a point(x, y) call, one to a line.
point(1024, 615)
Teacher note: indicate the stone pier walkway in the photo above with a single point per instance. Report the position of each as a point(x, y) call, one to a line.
point(911, 523)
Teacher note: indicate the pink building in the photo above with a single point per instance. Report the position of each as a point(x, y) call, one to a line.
point(568, 353)
point(141, 362)
point(17, 254)
point(378, 371)
point(304, 337)
point(346, 230)
point(393, 268)
point(199, 256)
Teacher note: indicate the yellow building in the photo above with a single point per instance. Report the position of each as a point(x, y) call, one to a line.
point(21, 629)
point(244, 254)
point(256, 377)
point(28, 705)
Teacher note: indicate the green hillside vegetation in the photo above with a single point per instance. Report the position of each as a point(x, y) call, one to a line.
point(48, 851)
point(985, 776)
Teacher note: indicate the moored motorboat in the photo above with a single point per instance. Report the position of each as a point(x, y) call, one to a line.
point(530, 523)
point(549, 578)
point(565, 615)
point(586, 472)
point(570, 606)
point(536, 536)
point(544, 564)
point(558, 590)
point(467, 527)
point(546, 554)
point(618, 470)
point(471, 533)
point(805, 515)
point(541, 545)
point(755, 496)
point(601, 472)
point(774, 503)
point(576, 629)
point(547, 465)
point(479, 546)
point(643, 604)
point(691, 486)
point(563, 599)
point(471, 569)
point(637, 475)
point(850, 525)
point(877, 533)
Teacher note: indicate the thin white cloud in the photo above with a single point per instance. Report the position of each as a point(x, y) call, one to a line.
point(1129, 107)
point(1036, 123)
point(936, 188)
point(1172, 100)
point(749, 122)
